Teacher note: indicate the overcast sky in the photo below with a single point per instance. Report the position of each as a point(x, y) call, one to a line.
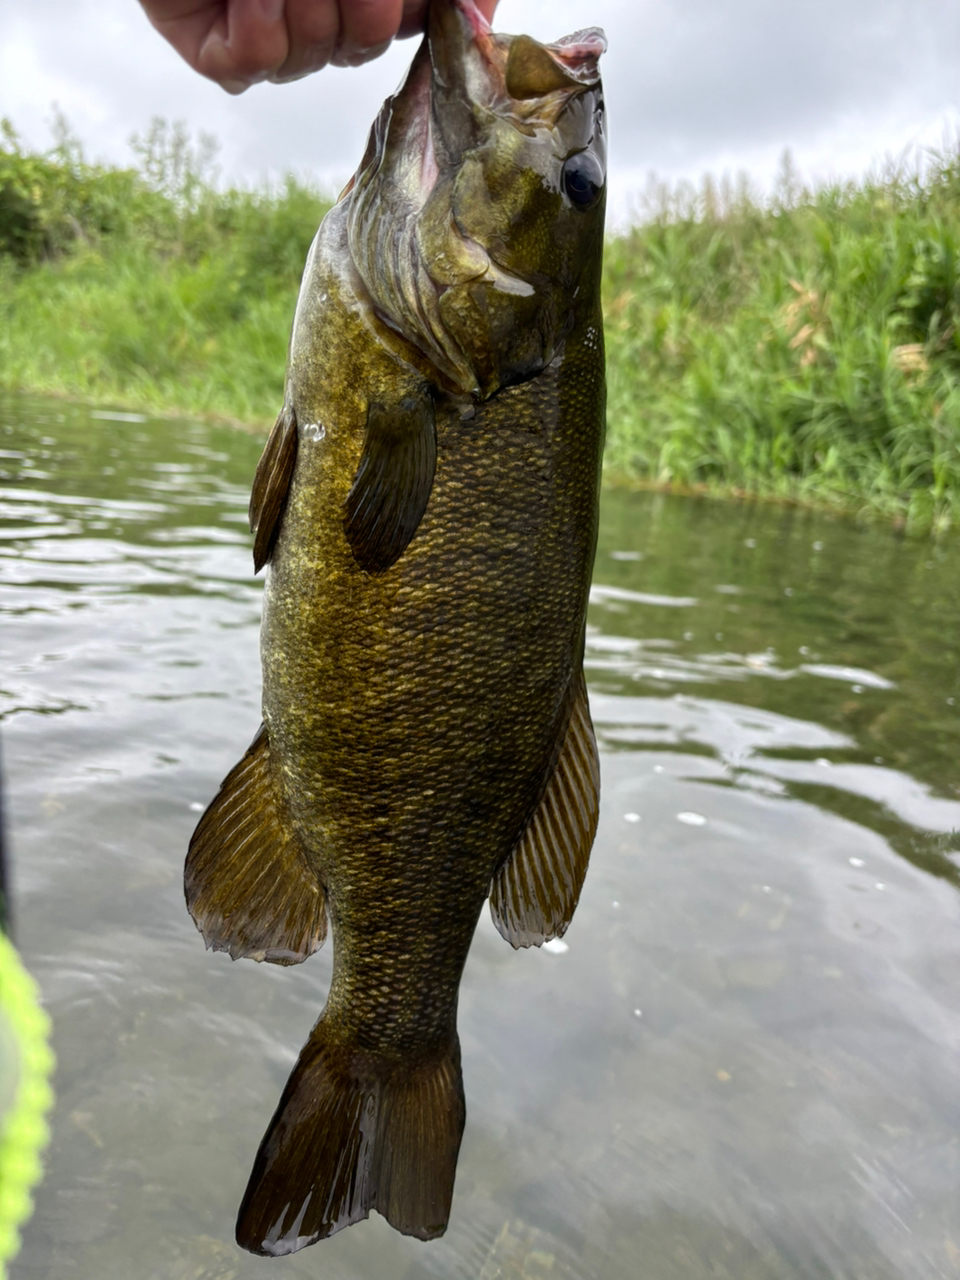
point(692, 86)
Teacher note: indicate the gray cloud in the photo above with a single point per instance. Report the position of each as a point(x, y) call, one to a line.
point(702, 75)
point(692, 85)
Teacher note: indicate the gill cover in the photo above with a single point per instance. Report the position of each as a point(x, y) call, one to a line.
point(480, 198)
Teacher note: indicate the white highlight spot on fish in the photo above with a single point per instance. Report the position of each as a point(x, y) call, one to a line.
point(658, 768)
point(314, 431)
point(766, 888)
point(692, 819)
point(556, 946)
point(880, 886)
point(196, 806)
point(823, 762)
point(638, 1013)
point(631, 817)
point(856, 862)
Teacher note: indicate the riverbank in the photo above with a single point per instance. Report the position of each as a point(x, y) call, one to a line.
point(803, 347)
point(807, 348)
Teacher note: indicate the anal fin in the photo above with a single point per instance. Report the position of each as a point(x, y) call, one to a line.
point(535, 892)
point(247, 883)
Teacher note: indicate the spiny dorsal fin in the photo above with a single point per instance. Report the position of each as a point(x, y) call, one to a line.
point(536, 891)
point(392, 486)
point(271, 485)
point(247, 884)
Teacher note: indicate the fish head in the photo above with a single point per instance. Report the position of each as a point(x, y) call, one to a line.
point(476, 217)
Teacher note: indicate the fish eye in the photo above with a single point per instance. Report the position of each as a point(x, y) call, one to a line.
point(583, 179)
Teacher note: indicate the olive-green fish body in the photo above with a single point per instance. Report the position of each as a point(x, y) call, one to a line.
point(427, 503)
point(424, 707)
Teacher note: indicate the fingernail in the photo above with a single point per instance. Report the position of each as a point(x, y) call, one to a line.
point(288, 77)
point(356, 55)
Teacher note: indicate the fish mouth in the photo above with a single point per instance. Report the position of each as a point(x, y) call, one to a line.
point(407, 237)
point(476, 70)
point(455, 27)
point(461, 66)
point(401, 128)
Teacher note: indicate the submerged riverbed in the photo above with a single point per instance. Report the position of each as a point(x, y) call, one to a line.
point(745, 1061)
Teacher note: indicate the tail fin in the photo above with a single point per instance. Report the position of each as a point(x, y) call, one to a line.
point(355, 1132)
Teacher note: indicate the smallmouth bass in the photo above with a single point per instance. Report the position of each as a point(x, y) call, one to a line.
point(427, 503)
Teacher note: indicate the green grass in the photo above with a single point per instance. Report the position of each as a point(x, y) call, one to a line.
point(148, 286)
point(808, 349)
point(804, 347)
point(124, 328)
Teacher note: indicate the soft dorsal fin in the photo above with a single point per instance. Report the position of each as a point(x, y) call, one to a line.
point(392, 486)
point(536, 891)
point(271, 485)
point(247, 883)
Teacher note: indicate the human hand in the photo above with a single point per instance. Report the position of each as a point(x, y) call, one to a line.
point(240, 42)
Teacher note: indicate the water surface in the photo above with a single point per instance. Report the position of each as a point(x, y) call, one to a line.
point(745, 1062)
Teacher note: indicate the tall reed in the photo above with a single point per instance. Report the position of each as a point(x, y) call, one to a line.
point(805, 346)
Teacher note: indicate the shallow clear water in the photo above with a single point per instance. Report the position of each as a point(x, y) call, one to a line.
point(746, 1063)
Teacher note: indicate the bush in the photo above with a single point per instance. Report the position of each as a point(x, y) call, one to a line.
point(149, 283)
point(805, 346)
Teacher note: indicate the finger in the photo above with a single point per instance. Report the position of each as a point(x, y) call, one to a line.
point(313, 29)
point(367, 28)
point(234, 42)
point(414, 18)
point(415, 15)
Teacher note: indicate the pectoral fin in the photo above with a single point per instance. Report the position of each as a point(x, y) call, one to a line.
point(536, 890)
point(271, 485)
point(392, 486)
point(247, 883)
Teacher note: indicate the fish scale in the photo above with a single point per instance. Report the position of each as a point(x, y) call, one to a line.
point(427, 504)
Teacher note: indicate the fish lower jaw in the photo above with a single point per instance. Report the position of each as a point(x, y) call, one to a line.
point(478, 23)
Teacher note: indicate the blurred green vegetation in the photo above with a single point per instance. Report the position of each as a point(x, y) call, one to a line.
point(804, 346)
point(148, 285)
